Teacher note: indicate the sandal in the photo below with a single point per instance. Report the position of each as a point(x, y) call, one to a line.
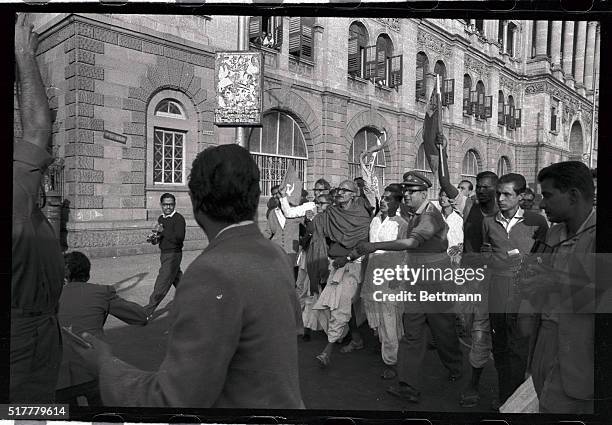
point(324, 360)
point(469, 400)
point(389, 373)
point(352, 346)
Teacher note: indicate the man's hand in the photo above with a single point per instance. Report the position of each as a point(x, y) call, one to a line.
point(441, 140)
point(364, 248)
point(92, 357)
point(541, 281)
point(26, 41)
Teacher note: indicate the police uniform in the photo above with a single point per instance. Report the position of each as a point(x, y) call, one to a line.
point(428, 227)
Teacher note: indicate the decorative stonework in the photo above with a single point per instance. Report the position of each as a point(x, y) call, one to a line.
point(429, 42)
point(571, 102)
point(391, 23)
point(508, 85)
point(476, 66)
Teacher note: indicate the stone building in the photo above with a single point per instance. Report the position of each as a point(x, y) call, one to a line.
point(133, 100)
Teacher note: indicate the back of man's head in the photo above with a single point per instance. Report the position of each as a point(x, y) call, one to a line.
point(518, 182)
point(224, 184)
point(570, 175)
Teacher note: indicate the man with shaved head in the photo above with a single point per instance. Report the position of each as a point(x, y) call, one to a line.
point(344, 225)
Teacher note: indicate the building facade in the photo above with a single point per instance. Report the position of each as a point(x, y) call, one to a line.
point(133, 99)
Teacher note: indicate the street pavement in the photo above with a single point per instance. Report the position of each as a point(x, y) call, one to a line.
point(352, 382)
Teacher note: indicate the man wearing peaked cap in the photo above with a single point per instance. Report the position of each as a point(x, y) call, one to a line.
point(416, 181)
point(426, 244)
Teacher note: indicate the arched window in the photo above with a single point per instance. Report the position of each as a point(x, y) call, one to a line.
point(169, 134)
point(422, 166)
point(363, 140)
point(480, 99)
point(357, 43)
point(500, 108)
point(480, 26)
point(384, 52)
point(301, 40)
point(422, 68)
point(509, 111)
point(278, 143)
point(440, 69)
point(470, 167)
point(467, 89)
point(503, 166)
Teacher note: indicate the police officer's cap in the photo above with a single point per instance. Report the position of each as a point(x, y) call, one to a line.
point(415, 181)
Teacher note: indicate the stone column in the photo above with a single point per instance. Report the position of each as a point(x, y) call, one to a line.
point(541, 39)
point(580, 54)
point(505, 38)
point(568, 52)
point(555, 44)
point(590, 56)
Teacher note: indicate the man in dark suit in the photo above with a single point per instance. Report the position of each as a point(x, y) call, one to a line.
point(84, 307)
point(233, 343)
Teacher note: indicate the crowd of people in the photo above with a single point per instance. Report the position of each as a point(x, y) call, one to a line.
point(313, 268)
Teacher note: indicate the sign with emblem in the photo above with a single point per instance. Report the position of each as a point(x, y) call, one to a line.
point(238, 88)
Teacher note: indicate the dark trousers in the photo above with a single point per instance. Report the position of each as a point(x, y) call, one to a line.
point(413, 345)
point(169, 275)
point(36, 354)
point(510, 351)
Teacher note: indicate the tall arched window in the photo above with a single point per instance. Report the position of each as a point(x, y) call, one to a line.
point(500, 108)
point(357, 43)
point(363, 140)
point(480, 99)
point(470, 167)
point(422, 166)
point(503, 166)
point(384, 51)
point(422, 68)
point(266, 31)
point(467, 89)
point(277, 144)
point(440, 69)
point(169, 142)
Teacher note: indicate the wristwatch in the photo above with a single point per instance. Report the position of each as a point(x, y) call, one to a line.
point(348, 258)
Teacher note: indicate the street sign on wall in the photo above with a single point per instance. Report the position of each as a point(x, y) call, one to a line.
point(238, 88)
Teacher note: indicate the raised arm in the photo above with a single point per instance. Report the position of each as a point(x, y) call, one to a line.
point(445, 182)
point(33, 104)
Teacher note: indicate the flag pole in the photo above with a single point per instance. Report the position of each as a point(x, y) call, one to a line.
point(439, 105)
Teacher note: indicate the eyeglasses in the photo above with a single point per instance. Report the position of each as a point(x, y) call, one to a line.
point(343, 190)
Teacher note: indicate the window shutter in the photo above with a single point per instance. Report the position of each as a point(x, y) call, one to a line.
point(354, 56)
point(517, 117)
point(295, 40)
point(511, 122)
point(448, 94)
point(466, 106)
point(553, 120)
point(397, 66)
point(420, 81)
point(255, 28)
point(501, 117)
point(278, 32)
point(370, 63)
point(507, 111)
point(306, 51)
point(488, 106)
point(381, 64)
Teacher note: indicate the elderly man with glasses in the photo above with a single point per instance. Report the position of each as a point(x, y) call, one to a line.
point(344, 225)
point(427, 245)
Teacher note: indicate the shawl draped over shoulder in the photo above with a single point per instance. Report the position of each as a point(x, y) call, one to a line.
point(347, 227)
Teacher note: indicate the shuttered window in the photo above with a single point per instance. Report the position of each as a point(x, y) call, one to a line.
point(301, 37)
point(422, 64)
point(357, 43)
point(266, 31)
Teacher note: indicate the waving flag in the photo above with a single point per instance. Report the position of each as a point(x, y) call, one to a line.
point(294, 185)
